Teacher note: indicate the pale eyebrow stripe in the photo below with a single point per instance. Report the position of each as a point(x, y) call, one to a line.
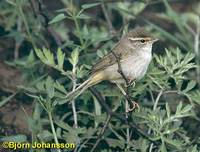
point(136, 39)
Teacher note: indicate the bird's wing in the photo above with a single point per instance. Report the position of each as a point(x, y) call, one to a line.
point(107, 60)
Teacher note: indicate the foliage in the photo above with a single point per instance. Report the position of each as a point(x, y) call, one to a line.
point(168, 95)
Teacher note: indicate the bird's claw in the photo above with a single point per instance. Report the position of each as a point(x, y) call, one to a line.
point(134, 105)
point(130, 83)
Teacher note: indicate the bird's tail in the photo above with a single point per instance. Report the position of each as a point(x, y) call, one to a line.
point(92, 80)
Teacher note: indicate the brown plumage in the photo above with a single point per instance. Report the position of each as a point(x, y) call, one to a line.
point(138, 32)
point(134, 52)
point(119, 49)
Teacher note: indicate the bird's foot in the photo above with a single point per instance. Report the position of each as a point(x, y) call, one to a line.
point(133, 106)
point(130, 83)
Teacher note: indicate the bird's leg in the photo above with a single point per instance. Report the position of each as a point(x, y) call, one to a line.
point(121, 88)
point(130, 82)
point(127, 107)
point(130, 105)
point(134, 105)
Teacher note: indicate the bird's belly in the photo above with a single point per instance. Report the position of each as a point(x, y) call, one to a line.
point(135, 68)
point(132, 67)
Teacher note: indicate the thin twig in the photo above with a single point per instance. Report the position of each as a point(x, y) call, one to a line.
point(17, 42)
point(118, 57)
point(38, 10)
point(127, 129)
point(157, 99)
point(73, 101)
point(119, 116)
point(155, 103)
point(190, 30)
point(83, 144)
point(19, 7)
point(127, 96)
point(196, 50)
point(101, 133)
point(127, 82)
point(154, 108)
point(126, 115)
point(111, 28)
point(151, 147)
point(151, 94)
point(53, 130)
point(171, 91)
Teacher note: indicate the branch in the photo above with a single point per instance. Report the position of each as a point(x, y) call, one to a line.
point(197, 51)
point(128, 83)
point(111, 28)
point(118, 57)
point(53, 130)
point(157, 99)
point(154, 108)
point(17, 42)
point(120, 116)
point(101, 133)
point(73, 101)
point(127, 95)
point(38, 10)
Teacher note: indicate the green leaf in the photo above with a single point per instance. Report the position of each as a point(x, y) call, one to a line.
point(31, 57)
point(15, 138)
point(167, 109)
point(163, 147)
point(65, 126)
point(60, 58)
point(195, 96)
point(190, 86)
point(86, 6)
point(176, 143)
point(192, 149)
point(45, 135)
point(60, 87)
point(7, 99)
point(115, 143)
point(143, 143)
point(74, 57)
point(100, 53)
point(40, 54)
point(50, 87)
point(186, 109)
point(49, 58)
point(32, 96)
point(179, 107)
point(11, 2)
point(58, 18)
point(175, 63)
point(83, 16)
point(97, 108)
point(45, 56)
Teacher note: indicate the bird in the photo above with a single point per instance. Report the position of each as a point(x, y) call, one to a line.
point(134, 54)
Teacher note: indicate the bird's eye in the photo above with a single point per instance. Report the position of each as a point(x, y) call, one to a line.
point(142, 41)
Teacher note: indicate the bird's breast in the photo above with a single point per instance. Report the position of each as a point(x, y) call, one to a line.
point(135, 67)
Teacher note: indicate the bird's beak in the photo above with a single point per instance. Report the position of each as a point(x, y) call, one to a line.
point(154, 40)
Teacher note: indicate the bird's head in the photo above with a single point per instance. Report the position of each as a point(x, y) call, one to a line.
point(140, 40)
